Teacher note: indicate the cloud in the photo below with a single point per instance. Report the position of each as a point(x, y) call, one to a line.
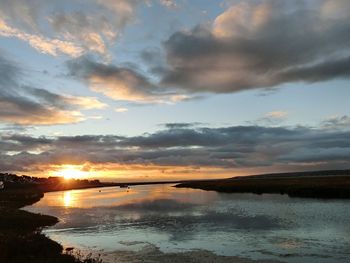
point(260, 44)
point(42, 44)
point(168, 3)
point(121, 110)
point(30, 113)
point(336, 122)
point(85, 103)
point(51, 29)
point(120, 83)
point(272, 118)
point(27, 105)
point(230, 148)
point(63, 101)
point(277, 114)
point(181, 125)
point(116, 82)
point(154, 58)
point(252, 44)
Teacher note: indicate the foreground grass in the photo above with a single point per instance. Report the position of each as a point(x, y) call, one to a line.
point(21, 240)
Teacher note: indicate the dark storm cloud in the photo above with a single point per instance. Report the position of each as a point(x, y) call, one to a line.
point(257, 44)
point(228, 147)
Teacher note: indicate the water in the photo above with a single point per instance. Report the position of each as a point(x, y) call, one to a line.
point(174, 220)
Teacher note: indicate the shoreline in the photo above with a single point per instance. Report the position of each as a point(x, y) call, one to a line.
point(21, 237)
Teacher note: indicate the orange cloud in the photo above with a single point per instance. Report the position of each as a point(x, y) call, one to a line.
point(13, 113)
point(85, 102)
point(42, 44)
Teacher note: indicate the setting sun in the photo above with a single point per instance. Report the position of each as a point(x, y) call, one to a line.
point(71, 172)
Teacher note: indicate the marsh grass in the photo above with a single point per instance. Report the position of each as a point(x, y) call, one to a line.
point(329, 184)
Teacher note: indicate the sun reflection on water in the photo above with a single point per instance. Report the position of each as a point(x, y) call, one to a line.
point(67, 198)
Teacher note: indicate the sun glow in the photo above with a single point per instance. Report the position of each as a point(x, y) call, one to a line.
point(71, 172)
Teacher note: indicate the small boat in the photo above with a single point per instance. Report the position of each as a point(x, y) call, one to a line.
point(123, 186)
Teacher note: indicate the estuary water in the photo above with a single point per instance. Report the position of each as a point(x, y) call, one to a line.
point(154, 221)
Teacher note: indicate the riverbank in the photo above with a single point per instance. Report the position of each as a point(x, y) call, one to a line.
point(318, 184)
point(20, 236)
point(21, 240)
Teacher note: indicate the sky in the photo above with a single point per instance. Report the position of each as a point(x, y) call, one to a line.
point(133, 90)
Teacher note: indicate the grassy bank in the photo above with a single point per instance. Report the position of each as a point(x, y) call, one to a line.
point(21, 240)
point(324, 184)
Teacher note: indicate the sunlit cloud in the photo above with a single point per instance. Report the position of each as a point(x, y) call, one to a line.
point(277, 114)
point(95, 117)
point(121, 83)
point(271, 119)
point(121, 110)
point(69, 32)
point(85, 102)
point(13, 113)
point(44, 45)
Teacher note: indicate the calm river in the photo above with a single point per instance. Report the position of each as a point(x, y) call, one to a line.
point(127, 224)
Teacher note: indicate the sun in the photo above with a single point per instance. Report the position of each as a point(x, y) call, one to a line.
point(71, 172)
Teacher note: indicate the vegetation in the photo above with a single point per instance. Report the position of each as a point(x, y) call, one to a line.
point(319, 184)
point(12, 181)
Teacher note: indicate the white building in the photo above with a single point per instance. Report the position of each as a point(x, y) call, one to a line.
point(2, 185)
